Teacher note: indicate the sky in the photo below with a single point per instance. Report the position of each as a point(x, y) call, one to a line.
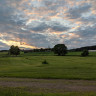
point(33, 24)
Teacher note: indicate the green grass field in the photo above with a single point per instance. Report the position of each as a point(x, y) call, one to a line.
point(29, 65)
point(20, 92)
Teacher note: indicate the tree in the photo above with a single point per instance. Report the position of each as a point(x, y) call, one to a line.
point(60, 49)
point(14, 50)
point(85, 53)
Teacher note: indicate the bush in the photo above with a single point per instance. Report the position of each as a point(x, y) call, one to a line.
point(44, 62)
point(85, 53)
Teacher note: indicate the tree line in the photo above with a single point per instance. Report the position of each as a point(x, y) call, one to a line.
point(84, 48)
point(59, 49)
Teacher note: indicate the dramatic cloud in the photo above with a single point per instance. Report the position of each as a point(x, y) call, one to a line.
point(42, 23)
point(76, 12)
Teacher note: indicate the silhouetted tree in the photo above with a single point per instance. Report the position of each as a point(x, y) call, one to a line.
point(14, 50)
point(60, 49)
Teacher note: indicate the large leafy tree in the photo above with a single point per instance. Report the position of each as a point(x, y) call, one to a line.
point(14, 50)
point(60, 49)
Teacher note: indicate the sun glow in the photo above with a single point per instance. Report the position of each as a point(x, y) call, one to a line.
point(19, 44)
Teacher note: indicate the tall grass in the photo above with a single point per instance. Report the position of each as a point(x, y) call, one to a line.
point(16, 92)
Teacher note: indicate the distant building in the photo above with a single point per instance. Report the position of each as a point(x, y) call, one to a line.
point(92, 50)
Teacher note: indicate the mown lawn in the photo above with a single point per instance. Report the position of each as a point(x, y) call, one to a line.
point(27, 65)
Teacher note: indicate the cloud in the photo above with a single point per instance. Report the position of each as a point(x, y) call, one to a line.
point(87, 31)
point(76, 12)
point(56, 26)
point(42, 23)
point(39, 26)
point(89, 20)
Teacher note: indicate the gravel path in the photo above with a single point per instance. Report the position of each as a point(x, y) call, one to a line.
point(49, 85)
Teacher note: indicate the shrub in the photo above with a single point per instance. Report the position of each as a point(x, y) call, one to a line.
point(85, 53)
point(44, 62)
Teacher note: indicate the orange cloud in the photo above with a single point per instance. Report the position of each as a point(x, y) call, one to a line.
point(16, 43)
point(93, 11)
point(73, 35)
point(64, 36)
point(52, 32)
point(1, 35)
point(27, 12)
point(57, 33)
point(75, 27)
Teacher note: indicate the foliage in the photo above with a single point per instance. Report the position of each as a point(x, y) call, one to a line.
point(44, 62)
point(38, 50)
point(84, 48)
point(85, 53)
point(14, 50)
point(60, 49)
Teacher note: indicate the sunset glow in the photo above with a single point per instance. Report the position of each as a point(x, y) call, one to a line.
point(19, 44)
point(42, 23)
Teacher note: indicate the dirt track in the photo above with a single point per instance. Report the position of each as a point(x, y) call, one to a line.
point(49, 85)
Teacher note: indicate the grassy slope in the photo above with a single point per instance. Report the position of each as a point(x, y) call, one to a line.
point(67, 67)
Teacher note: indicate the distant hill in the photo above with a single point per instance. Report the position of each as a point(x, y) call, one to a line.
point(3, 50)
point(86, 47)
